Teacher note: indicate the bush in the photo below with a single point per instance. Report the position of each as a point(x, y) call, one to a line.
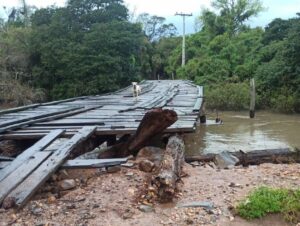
point(265, 201)
point(228, 96)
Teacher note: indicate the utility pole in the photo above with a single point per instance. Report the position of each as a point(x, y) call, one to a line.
point(183, 35)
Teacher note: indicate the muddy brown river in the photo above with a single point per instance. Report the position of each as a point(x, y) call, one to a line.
point(239, 132)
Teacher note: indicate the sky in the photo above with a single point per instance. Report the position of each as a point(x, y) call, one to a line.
point(167, 8)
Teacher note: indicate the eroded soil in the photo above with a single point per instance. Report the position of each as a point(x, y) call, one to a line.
point(115, 198)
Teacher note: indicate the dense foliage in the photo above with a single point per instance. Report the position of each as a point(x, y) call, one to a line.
point(91, 47)
point(226, 53)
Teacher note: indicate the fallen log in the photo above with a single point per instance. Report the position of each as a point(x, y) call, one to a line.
point(154, 122)
point(256, 157)
point(165, 181)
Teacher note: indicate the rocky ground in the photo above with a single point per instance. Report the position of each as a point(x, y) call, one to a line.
point(96, 197)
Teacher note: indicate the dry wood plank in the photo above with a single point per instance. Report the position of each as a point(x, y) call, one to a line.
point(4, 164)
point(37, 115)
point(32, 183)
point(11, 110)
point(38, 146)
point(19, 174)
point(45, 119)
point(92, 163)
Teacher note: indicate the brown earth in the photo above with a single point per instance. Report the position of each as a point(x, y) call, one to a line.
point(114, 199)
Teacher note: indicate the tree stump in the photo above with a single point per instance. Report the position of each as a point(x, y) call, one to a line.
point(154, 122)
point(170, 170)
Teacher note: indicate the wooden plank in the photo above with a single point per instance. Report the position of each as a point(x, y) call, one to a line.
point(38, 146)
point(5, 158)
point(19, 174)
point(93, 163)
point(198, 104)
point(36, 116)
point(45, 119)
point(4, 164)
point(33, 182)
point(11, 110)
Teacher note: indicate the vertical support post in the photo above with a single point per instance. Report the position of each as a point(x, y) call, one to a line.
point(183, 36)
point(252, 98)
point(183, 42)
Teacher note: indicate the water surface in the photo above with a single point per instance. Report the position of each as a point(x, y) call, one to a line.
point(239, 132)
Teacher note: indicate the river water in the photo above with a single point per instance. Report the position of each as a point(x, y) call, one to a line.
point(239, 132)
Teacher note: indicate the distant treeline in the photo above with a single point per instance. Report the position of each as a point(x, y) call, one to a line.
point(95, 46)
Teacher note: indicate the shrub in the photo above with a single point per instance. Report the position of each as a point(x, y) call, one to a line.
point(265, 201)
point(228, 96)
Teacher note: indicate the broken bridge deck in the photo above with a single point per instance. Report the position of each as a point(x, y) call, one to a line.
point(112, 114)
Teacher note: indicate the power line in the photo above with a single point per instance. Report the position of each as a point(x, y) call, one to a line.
point(183, 15)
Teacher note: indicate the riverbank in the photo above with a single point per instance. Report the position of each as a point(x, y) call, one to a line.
point(115, 199)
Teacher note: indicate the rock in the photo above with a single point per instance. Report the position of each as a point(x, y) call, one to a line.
point(37, 211)
point(146, 166)
point(51, 199)
point(146, 208)
point(189, 221)
point(129, 174)
point(234, 185)
point(9, 203)
point(225, 160)
point(205, 205)
point(113, 169)
point(71, 206)
point(67, 184)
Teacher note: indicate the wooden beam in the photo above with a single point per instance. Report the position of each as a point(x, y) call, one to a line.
point(27, 154)
point(11, 110)
point(92, 163)
point(32, 183)
point(19, 174)
point(45, 119)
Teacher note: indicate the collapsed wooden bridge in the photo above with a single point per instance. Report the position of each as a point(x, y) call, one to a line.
point(59, 129)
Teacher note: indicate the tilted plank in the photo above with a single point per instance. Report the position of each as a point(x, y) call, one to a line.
point(32, 183)
point(38, 146)
point(4, 164)
point(45, 119)
point(36, 115)
point(92, 163)
point(17, 176)
point(18, 109)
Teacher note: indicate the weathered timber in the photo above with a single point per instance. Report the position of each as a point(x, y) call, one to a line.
point(4, 164)
point(119, 113)
point(20, 195)
point(252, 98)
point(27, 154)
point(92, 163)
point(257, 157)
point(18, 109)
point(48, 118)
point(35, 116)
point(18, 175)
point(154, 122)
point(170, 169)
point(5, 158)
point(277, 156)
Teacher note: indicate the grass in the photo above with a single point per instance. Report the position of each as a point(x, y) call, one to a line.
point(263, 201)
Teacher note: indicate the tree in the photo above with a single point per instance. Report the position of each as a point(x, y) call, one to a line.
point(232, 15)
point(87, 47)
point(155, 27)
